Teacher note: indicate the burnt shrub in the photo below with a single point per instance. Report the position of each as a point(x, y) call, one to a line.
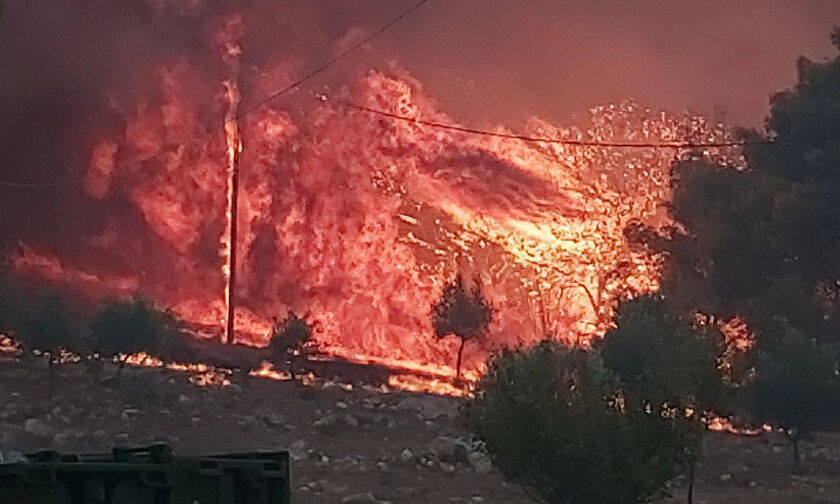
point(290, 334)
point(126, 327)
point(554, 421)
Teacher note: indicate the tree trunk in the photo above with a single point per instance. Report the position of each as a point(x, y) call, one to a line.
point(458, 365)
point(691, 472)
point(797, 468)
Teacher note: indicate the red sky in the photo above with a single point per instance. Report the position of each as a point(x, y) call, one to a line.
point(507, 59)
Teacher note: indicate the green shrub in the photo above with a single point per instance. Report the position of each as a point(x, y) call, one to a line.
point(554, 421)
point(665, 364)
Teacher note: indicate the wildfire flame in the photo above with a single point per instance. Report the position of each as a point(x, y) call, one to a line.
point(359, 221)
point(202, 375)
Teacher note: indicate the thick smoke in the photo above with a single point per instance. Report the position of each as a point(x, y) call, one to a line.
point(491, 60)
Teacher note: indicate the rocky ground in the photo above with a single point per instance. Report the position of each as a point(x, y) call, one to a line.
point(348, 444)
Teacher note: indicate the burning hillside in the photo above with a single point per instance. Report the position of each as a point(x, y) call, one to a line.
point(358, 220)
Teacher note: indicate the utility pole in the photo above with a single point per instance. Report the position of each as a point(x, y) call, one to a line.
point(233, 138)
point(232, 235)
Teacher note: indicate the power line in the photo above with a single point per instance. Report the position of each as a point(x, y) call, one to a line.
point(273, 96)
point(562, 141)
point(46, 185)
point(355, 47)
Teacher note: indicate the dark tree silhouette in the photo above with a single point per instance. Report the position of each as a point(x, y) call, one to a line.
point(553, 420)
point(762, 242)
point(462, 311)
point(797, 387)
point(49, 325)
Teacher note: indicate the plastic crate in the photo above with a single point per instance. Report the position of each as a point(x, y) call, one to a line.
point(147, 475)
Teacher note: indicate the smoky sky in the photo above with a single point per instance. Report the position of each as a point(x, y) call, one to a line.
point(485, 61)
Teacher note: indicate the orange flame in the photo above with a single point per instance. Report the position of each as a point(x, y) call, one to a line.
point(358, 222)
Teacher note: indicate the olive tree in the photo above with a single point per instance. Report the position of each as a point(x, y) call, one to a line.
point(554, 421)
point(462, 311)
point(290, 334)
point(796, 387)
point(667, 366)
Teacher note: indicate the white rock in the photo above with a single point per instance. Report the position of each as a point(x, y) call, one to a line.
point(447, 467)
point(273, 419)
point(297, 450)
point(361, 498)
point(38, 428)
point(447, 449)
point(480, 462)
point(351, 420)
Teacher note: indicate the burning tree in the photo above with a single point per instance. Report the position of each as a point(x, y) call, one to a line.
point(666, 366)
point(122, 328)
point(554, 421)
point(797, 387)
point(462, 311)
point(289, 335)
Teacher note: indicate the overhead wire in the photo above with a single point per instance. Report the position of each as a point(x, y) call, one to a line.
point(296, 85)
point(553, 140)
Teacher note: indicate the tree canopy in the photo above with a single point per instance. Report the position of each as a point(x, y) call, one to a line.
point(462, 311)
point(796, 386)
point(762, 242)
point(553, 420)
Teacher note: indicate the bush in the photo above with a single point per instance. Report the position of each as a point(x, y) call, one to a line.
point(554, 421)
point(796, 386)
point(127, 327)
point(48, 325)
point(461, 311)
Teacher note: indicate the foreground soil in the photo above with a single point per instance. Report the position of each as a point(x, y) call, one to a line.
point(349, 444)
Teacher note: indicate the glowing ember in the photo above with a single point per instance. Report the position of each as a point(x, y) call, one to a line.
point(267, 370)
point(9, 348)
point(719, 424)
point(414, 383)
point(200, 374)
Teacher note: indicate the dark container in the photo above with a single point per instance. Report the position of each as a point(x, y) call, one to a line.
point(147, 475)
